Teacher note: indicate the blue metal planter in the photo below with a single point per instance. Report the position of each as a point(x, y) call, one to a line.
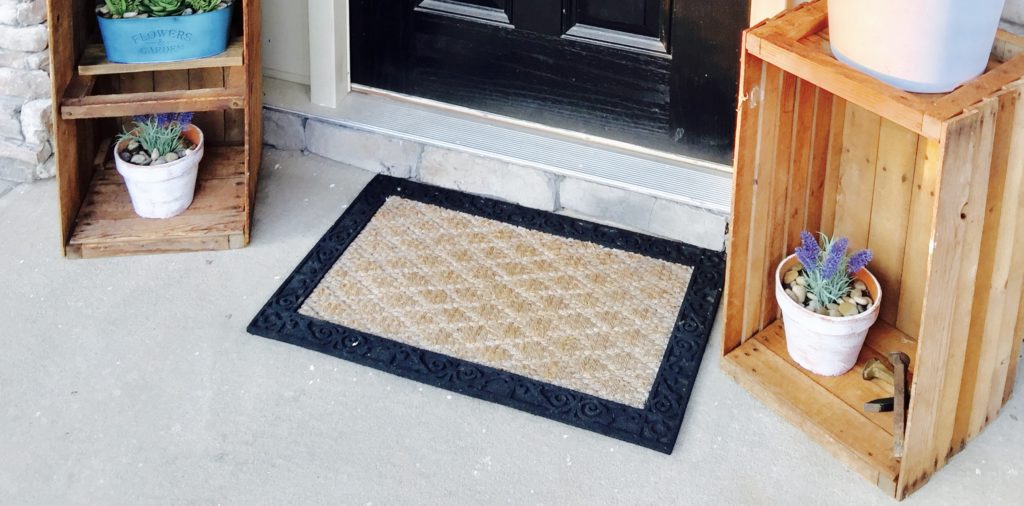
point(166, 39)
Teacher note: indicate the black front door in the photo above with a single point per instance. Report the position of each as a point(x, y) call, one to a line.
point(658, 73)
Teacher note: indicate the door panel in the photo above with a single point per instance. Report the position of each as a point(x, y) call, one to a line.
point(658, 73)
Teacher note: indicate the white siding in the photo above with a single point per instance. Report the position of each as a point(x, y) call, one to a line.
point(286, 39)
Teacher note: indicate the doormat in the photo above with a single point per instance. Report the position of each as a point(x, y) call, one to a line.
point(589, 325)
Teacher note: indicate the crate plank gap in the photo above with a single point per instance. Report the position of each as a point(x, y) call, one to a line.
point(92, 99)
point(934, 184)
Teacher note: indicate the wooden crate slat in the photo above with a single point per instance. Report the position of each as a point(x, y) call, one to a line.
point(775, 242)
point(849, 388)
point(825, 72)
point(918, 241)
point(973, 217)
point(845, 432)
point(995, 290)
point(1018, 343)
point(170, 80)
point(764, 174)
point(254, 106)
point(747, 131)
point(959, 207)
point(170, 245)
point(890, 211)
point(1008, 349)
point(234, 120)
point(835, 156)
point(131, 104)
point(94, 62)
point(211, 121)
point(797, 195)
point(817, 174)
point(109, 201)
point(857, 175)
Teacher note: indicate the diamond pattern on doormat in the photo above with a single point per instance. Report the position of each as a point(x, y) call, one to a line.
point(593, 326)
point(564, 311)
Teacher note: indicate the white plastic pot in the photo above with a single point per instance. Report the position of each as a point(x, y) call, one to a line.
point(162, 191)
point(825, 345)
point(923, 46)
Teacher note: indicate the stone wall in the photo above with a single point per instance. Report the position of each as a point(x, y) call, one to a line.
point(25, 123)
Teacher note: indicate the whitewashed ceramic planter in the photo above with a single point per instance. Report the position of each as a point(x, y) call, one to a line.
point(825, 345)
point(162, 191)
point(923, 46)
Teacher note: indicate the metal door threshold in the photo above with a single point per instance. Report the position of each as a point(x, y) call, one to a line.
point(698, 183)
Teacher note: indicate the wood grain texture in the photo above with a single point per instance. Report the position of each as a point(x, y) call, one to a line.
point(782, 171)
point(764, 175)
point(253, 111)
point(817, 172)
point(826, 417)
point(830, 185)
point(131, 104)
point(94, 62)
point(959, 210)
point(747, 134)
point(890, 210)
point(857, 175)
point(211, 121)
point(995, 293)
point(797, 200)
point(919, 236)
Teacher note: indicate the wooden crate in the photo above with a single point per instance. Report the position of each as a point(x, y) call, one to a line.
point(92, 99)
point(934, 184)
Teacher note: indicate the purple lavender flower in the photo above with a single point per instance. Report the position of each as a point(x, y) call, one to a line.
point(164, 119)
point(834, 258)
point(858, 261)
point(808, 251)
point(185, 118)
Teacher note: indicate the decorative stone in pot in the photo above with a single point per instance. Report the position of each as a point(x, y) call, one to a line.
point(826, 338)
point(923, 46)
point(156, 31)
point(161, 186)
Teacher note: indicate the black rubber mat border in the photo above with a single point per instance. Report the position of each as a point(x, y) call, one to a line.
point(656, 426)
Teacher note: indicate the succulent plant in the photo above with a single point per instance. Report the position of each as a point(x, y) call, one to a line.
point(200, 6)
point(159, 8)
point(119, 7)
point(159, 133)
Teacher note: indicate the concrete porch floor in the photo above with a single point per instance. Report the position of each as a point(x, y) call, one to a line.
point(133, 381)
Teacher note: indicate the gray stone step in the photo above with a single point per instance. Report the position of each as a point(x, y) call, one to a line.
point(688, 203)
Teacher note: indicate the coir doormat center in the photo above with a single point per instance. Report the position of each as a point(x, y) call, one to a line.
point(589, 325)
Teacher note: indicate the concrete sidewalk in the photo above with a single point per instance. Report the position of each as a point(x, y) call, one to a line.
point(132, 381)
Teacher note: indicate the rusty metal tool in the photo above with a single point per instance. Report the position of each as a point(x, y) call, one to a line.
point(900, 362)
point(876, 369)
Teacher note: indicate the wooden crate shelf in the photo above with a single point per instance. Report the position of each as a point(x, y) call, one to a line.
point(108, 226)
point(115, 105)
point(96, 99)
point(831, 408)
point(94, 62)
point(933, 184)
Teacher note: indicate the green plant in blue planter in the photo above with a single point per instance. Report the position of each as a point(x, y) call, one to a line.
point(159, 8)
point(154, 31)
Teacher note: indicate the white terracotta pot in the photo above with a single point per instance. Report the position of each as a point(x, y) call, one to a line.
point(162, 191)
point(923, 46)
point(825, 345)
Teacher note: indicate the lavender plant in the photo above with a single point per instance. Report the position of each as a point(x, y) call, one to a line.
point(828, 268)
